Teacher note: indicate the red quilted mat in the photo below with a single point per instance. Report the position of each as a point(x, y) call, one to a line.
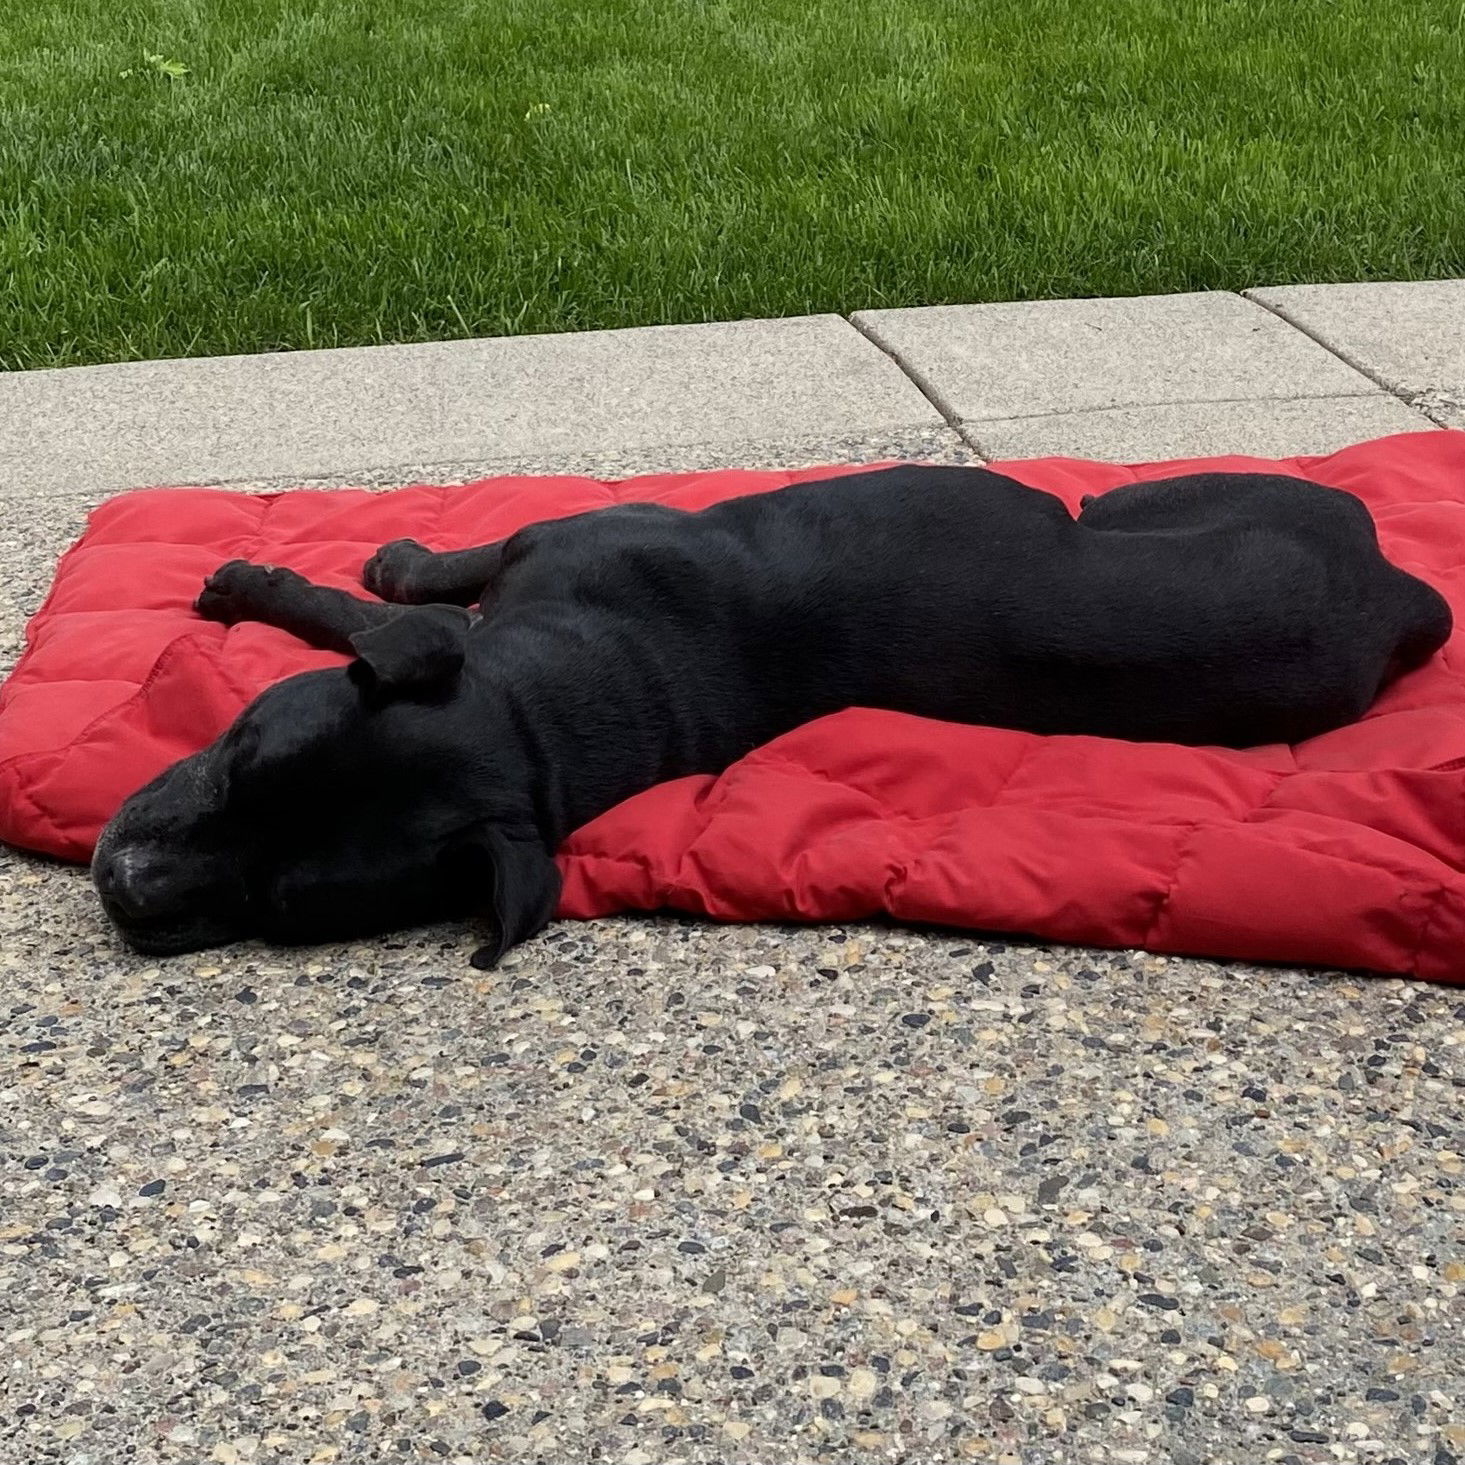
point(1343, 851)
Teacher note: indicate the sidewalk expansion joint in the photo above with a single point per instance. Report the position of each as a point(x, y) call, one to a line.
point(1416, 400)
point(917, 379)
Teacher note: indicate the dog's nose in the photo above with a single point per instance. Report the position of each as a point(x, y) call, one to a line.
point(128, 880)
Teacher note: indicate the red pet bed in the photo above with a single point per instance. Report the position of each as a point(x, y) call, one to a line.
point(1343, 851)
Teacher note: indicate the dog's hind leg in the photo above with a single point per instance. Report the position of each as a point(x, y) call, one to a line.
point(319, 615)
point(405, 572)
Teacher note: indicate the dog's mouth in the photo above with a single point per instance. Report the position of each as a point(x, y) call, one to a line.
point(159, 906)
point(168, 934)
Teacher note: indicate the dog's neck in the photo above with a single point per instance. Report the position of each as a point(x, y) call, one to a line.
point(583, 720)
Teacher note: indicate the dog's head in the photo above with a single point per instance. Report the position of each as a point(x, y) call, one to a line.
point(341, 803)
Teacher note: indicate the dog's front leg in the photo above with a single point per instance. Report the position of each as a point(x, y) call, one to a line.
point(405, 572)
point(319, 615)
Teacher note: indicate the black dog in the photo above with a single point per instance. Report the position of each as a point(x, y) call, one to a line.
point(435, 776)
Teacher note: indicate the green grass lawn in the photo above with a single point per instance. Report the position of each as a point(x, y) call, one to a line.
point(339, 172)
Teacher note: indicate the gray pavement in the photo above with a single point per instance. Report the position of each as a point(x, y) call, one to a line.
point(1157, 376)
point(1274, 428)
point(311, 413)
point(665, 1191)
point(1125, 379)
point(1407, 337)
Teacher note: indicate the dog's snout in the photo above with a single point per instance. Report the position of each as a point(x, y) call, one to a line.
point(130, 880)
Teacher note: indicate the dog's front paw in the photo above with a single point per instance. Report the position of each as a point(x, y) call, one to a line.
point(394, 572)
point(236, 591)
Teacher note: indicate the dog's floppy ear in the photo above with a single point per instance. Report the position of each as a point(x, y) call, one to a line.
point(517, 886)
point(416, 653)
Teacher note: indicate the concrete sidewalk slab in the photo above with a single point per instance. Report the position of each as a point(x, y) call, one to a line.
point(986, 363)
point(306, 414)
point(1269, 429)
point(1409, 336)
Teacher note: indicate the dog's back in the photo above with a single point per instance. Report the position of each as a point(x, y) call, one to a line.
point(1221, 608)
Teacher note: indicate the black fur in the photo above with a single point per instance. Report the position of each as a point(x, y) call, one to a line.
point(435, 776)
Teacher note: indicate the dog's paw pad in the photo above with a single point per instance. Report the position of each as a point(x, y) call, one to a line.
point(394, 572)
